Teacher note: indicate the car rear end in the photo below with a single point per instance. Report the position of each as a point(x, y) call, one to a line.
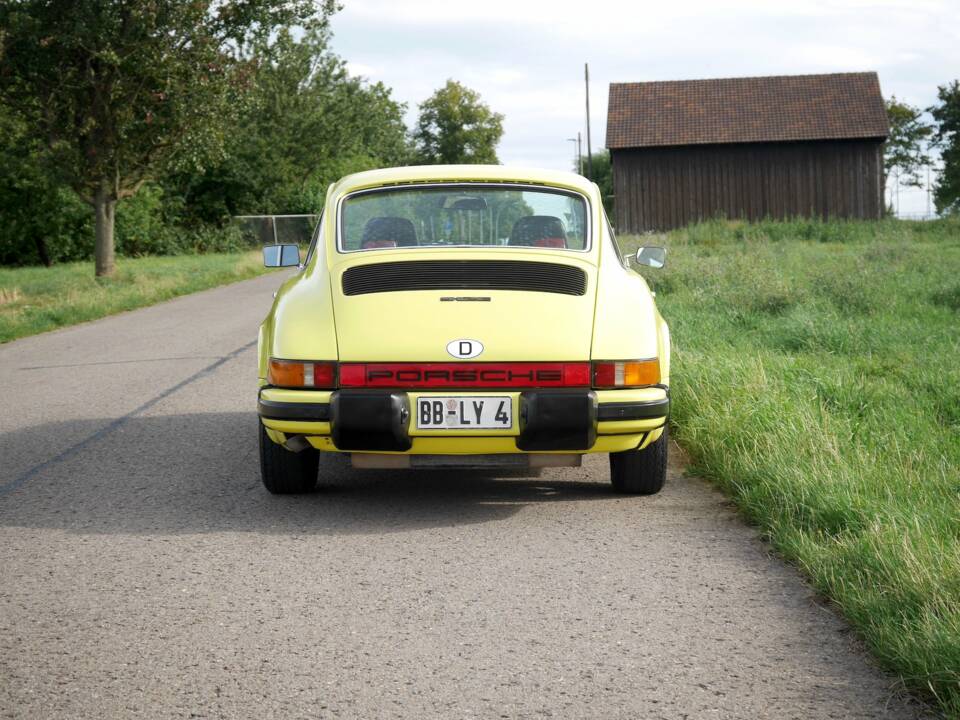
point(466, 335)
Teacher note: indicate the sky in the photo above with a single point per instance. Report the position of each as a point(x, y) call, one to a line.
point(525, 57)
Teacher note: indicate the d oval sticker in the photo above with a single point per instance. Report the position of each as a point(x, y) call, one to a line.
point(464, 349)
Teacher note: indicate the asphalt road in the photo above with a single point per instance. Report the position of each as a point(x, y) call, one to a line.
point(146, 573)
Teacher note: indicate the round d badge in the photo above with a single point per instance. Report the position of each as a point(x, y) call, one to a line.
point(464, 349)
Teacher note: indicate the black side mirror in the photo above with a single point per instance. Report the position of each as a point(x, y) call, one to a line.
point(281, 256)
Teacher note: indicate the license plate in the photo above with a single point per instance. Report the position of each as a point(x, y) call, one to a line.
point(464, 413)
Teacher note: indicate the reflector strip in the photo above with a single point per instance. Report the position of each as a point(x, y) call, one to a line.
point(465, 375)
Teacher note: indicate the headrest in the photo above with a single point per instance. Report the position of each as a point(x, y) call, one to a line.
point(538, 231)
point(397, 230)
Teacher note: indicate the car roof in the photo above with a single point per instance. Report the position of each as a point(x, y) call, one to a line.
point(465, 173)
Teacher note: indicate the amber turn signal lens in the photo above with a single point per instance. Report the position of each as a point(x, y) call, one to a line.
point(628, 373)
point(299, 374)
point(644, 372)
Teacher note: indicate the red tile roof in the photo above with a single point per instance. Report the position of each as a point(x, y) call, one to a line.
point(745, 110)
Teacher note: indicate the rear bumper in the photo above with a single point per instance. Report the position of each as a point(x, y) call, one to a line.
point(299, 411)
point(320, 411)
point(545, 421)
point(634, 410)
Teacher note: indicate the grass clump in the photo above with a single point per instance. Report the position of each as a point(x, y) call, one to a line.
point(37, 299)
point(816, 378)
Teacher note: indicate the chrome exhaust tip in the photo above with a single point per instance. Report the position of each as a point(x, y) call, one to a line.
point(296, 443)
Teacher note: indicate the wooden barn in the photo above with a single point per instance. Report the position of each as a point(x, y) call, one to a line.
point(786, 146)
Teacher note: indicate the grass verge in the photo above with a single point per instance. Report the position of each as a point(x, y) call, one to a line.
point(37, 299)
point(816, 378)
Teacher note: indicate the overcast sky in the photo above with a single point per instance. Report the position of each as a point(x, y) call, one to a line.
point(526, 57)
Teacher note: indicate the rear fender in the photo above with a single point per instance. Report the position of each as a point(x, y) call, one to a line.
point(626, 322)
point(300, 325)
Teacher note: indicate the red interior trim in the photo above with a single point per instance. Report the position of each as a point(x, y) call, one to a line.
point(551, 242)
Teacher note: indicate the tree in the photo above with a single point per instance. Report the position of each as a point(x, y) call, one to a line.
point(118, 90)
point(306, 123)
point(946, 115)
point(602, 176)
point(455, 126)
point(906, 150)
point(43, 222)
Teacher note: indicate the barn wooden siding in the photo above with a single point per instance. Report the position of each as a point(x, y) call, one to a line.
point(659, 188)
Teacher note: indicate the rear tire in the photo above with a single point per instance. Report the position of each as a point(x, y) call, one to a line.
point(285, 472)
point(641, 472)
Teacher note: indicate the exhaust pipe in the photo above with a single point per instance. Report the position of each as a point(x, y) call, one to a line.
point(296, 443)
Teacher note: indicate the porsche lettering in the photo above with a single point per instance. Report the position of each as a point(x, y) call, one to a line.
point(375, 377)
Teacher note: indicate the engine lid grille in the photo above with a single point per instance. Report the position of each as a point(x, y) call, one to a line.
point(522, 275)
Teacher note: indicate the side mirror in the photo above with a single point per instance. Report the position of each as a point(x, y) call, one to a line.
point(655, 257)
point(281, 256)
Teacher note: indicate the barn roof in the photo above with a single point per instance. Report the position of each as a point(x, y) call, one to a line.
point(745, 110)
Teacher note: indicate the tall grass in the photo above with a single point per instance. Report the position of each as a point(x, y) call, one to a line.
point(816, 379)
point(36, 299)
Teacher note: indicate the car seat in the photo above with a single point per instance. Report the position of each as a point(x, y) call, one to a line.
point(380, 232)
point(538, 231)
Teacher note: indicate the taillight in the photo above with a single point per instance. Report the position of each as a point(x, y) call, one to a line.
point(627, 373)
point(300, 374)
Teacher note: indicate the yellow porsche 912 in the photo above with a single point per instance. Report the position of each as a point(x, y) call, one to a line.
point(463, 316)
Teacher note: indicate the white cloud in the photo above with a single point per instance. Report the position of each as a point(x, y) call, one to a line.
point(360, 70)
point(831, 57)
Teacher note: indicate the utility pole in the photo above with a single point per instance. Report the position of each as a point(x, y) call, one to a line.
point(576, 159)
point(586, 79)
point(929, 189)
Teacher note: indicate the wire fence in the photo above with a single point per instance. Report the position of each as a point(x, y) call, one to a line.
point(260, 230)
point(913, 202)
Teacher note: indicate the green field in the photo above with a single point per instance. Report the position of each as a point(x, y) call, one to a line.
point(37, 299)
point(816, 379)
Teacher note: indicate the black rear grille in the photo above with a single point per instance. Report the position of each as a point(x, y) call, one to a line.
point(465, 275)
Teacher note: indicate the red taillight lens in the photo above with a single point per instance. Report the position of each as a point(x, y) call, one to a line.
point(324, 375)
point(352, 375)
point(604, 374)
point(576, 374)
point(627, 373)
point(300, 374)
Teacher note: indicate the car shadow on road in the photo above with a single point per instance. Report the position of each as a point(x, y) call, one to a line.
point(200, 473)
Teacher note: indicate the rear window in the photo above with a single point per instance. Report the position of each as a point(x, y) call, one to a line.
point(463, 216)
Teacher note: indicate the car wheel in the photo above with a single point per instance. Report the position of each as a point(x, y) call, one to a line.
point(641, 472)
point(285, 472)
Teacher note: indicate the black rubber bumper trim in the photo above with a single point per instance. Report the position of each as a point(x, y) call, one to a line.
point(633, 410)
point(306, 412)
point(370, 420)
point(557, 420)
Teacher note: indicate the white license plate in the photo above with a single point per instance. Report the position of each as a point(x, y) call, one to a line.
point(464, 413)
